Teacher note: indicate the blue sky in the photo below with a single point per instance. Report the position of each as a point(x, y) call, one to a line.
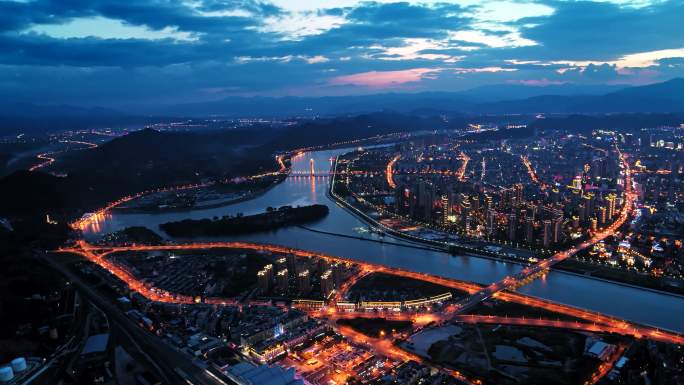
point(113, 52)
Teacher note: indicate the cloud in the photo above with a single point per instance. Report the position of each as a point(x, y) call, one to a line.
point(316, 59)
point(593, 30)
point(104, 28)
point(412, 49)
point(99, 50)
point(499, 40)
point(537, 82)
point(385, 79)
point(295, 26)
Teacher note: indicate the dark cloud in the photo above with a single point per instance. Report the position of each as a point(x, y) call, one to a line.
point(582, 30)
point(233, 53)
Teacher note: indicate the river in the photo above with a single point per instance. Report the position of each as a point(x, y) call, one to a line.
point(643, 306)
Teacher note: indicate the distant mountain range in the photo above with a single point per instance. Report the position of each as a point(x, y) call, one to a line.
point(660, 97)
point(34, 118)
point(459, 102)
point(495, 99)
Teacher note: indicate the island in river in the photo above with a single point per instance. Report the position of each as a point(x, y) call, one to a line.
point(272, 219)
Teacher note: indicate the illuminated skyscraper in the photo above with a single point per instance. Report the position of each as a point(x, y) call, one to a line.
point(518, 193)
point(610, 200)
point(269, 272)
point(263, 282)
point(282, 280)
point(327, 283)
point(446, 209)
point(557, 229)
point(603, 216)
point(488, 201)
point(304, 282)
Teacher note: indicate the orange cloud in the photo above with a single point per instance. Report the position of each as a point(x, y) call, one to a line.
point(537, 82)
point(386, 79)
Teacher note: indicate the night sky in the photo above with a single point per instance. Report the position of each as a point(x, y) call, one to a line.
point(113, 52)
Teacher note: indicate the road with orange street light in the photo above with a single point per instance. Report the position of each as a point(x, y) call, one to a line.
point(390, 171)
point(460, 174)
point(532, 173)
point(97, 254)
point(48, 158)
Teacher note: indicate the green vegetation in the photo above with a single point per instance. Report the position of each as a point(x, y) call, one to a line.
point(381, 286)
point(620, 275)
point(134, 235)
point(272, 219)
point(513, 310)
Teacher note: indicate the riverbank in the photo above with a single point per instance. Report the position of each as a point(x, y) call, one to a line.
point(249, 196)
point(581, 269)
point(418, 247)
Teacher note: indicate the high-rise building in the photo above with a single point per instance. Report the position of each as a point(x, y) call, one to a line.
point(582, 211)
point(557, 228)
point(512, 226)
point(402, 197)
point(327, 284)
point(491, 222)
point(304, 282)
point(263, 282)
point(555, 195)
point(465, 212)
point(322, 265)
point(610, 200)
point(603, 216)
point(529, 230)
point(413, 199)
point(588, 200)
point(291, 263)
point(531, 211)
point(475, 202)
point(488, 202)
point(338, 274)
point(446, 209)
point(505, 197)
point(518, 193)
point(548, 233)
point(577, 183)
point(269, 272)
point(426, 198)
point(282, 280)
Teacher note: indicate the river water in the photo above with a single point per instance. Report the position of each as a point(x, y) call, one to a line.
point(648, 307)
